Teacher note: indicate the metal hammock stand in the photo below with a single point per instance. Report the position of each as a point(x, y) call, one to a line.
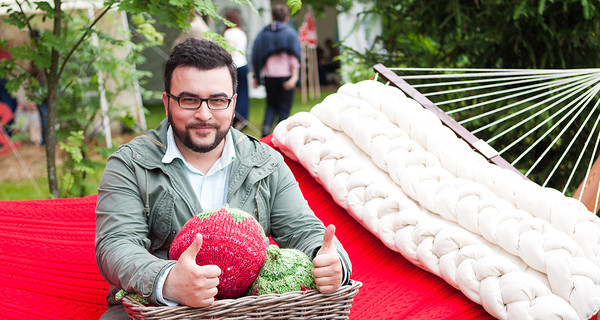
point(540, 123)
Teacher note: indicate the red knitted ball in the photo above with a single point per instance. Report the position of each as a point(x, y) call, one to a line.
point(231, 239)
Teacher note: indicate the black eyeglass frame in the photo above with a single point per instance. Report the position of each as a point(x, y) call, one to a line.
point(176, 98)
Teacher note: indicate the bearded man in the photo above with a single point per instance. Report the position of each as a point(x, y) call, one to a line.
point(195, 161)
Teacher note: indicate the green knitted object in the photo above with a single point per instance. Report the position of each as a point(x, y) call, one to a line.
point(135, 296)
point(284, 270)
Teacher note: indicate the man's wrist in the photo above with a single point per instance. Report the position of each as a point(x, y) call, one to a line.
point(160, 287)
point(345, 275)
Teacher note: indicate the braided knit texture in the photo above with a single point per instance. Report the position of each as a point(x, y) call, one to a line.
point(519, 250)
point(231, 239)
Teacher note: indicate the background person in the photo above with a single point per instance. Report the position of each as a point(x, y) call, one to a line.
point(276, 60)
point(195, 161)
point(236, 37)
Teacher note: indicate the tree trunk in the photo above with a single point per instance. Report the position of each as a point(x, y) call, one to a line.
point(52, 83)
point(51, 138)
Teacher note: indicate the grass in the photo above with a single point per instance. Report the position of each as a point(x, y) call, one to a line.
point(25, 189)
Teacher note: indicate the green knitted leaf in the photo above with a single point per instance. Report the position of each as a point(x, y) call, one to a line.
point(135, 296)
point(238, 215)
point(284, 270)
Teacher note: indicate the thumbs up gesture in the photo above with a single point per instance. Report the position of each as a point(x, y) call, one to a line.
point(190, 284)
point(327, 268)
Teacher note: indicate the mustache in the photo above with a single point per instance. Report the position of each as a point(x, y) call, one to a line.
point(202, 124)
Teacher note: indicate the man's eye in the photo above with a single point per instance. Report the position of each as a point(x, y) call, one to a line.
point(218, 101)
point(188, 100)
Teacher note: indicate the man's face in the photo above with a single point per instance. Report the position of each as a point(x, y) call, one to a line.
point(203, 129)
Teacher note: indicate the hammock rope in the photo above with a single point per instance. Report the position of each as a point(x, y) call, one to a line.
point(535, 118)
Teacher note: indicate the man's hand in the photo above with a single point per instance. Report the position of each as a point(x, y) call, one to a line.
point(290, 84)
point(327, 265)
point(292, 81)
point(190, 284)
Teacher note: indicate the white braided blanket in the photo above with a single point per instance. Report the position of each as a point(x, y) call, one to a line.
point(519, 250)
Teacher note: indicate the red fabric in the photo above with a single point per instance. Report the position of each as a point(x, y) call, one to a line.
point(47, 263)
point(48, 267)
point(393, 288)
point(5, 113)
point(5, 116)
point(4, 54)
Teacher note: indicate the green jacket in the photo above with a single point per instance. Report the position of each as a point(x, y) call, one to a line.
point(143, 203)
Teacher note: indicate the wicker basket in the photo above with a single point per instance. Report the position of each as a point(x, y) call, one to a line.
point(309, 304)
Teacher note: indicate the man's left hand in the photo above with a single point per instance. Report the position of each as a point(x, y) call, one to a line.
point(327, 264)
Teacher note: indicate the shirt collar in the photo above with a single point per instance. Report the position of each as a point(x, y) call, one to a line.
point(173, 153)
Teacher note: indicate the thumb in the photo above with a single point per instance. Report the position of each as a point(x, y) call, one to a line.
point(193, 249)
point(328, 237)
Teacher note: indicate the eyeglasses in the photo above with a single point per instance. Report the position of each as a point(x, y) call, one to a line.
point(193, 103)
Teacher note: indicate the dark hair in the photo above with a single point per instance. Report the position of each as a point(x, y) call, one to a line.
point(280, 12)
point(233, 16)
point(201, 54)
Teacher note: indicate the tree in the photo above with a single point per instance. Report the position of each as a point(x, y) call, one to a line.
point(544, 34)
point(487, 33)
point(70, 62)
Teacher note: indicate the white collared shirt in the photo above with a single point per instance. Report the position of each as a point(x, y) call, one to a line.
point(211, 187)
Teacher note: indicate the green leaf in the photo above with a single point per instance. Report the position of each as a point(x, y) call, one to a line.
point(44, 6)
point(294, 6)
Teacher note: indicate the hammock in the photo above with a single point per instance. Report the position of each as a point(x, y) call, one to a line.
point(504, 241)
point(48, 267)
point(412, 265)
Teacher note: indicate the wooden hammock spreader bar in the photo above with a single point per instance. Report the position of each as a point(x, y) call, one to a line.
point(477, 144)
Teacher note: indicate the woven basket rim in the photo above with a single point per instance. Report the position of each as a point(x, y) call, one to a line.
point(342, 298)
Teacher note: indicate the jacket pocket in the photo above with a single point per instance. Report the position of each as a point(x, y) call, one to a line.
point(160, 219)
point(262, 207)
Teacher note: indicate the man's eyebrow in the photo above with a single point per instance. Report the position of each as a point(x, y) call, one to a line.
point(220, 94)
point(187, 94)
point(190, 94)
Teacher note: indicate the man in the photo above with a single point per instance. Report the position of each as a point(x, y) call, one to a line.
point(195, 161)
point(276, 57)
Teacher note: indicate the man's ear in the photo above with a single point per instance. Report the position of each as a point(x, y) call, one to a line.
point(233, 105)
point(165, 99)
point(234, 101)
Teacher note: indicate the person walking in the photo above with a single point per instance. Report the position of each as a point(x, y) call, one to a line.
point(276, 64)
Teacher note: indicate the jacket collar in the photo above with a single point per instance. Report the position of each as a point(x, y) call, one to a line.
point(149, 149)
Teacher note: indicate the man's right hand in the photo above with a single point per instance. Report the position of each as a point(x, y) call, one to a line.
point(190, 284)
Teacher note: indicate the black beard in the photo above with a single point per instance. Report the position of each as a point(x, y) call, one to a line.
point(186, 138)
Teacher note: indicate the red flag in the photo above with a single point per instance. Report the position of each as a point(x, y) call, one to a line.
point(308, 30)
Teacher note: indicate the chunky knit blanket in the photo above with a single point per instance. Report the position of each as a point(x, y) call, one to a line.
point(519, 250)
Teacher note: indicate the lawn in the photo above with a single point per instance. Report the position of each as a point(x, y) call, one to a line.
point(25, 189)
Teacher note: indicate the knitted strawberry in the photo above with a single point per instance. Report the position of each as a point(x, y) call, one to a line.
point(231, 239)
point(284, 270)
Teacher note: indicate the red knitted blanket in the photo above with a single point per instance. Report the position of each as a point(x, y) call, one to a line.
point(48, 268)
point(47, 262)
